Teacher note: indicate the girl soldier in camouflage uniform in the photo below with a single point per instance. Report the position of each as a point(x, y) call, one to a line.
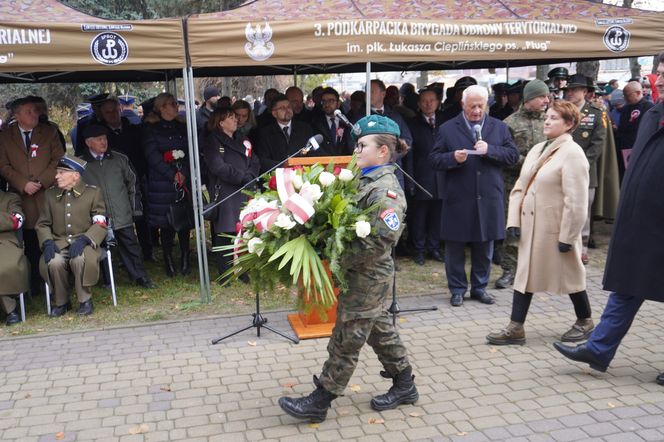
point(362, 310)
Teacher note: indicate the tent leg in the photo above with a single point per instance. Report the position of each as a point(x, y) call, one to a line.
point(195, 167)
point(368, 88)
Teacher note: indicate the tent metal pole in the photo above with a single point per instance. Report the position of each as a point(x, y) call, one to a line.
point(195, 167)
point(295, 77)
point(368, 89)
point(507, 72)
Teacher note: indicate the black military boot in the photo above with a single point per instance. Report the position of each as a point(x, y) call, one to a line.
point(403, 391)
point(168, 262)
point(184, 261)
point(313, 407)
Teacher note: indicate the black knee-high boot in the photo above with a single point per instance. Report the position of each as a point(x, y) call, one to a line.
point(185, 253)
point(167, 236)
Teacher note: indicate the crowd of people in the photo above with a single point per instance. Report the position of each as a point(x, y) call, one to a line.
point(518, 177)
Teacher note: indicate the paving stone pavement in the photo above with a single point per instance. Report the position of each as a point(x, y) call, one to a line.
point(165, 382)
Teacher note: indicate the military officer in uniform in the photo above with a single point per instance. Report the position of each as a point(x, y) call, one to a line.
point(14, 265)
point(71, 227)
point(558, 78)
point(362, 310)
point(591, 136)
point(527, 129)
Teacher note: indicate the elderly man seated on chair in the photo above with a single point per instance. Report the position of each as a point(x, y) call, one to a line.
point(71, 227)
point(14, 265)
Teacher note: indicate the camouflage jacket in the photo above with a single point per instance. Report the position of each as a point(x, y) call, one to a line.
point(527, 129)
point(368, 260)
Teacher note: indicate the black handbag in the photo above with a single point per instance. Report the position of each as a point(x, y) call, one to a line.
point(212, 214)
point(180, 215)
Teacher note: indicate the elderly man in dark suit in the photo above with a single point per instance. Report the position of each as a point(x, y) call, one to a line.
point(284, 137)
point(424, 211)
point(29, 152)
point(634, 263)
point(470, 151)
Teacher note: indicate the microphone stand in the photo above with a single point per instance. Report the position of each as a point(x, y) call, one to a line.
point(258, 320)
point(212, 205)
point(394, 309)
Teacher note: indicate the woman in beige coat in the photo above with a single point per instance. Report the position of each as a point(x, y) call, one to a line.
point(547, 210)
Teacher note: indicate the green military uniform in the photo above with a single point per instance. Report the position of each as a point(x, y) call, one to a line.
point(65, 216)
point(527, 129)
point(591, 136)
point(14, 265)
point(362, 310)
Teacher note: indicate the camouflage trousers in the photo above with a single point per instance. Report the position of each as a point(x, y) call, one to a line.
point(509, 253)
point(348, 338)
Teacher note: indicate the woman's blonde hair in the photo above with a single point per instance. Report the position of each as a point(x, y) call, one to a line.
point(159, 102)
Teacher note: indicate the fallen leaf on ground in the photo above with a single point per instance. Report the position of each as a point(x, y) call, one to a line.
point(463, 433)
point(167, 388)
point(313, 425)
point(342, 412)
point(354, 387)
point(612, 405)
point(14, 333)
point(27, 396)
point(436, 274)
point(414, 414)
point(288, 385)
point(376, 420)
point(139, 429)
point(60, 435)
point(252, 343)
point(492, 350)
point(402, 320)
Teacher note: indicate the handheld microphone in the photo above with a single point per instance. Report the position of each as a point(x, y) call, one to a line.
point(340, 115)
point(312, 143)
point(478, 132)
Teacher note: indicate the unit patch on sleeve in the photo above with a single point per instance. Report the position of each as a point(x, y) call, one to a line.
point(391, 219)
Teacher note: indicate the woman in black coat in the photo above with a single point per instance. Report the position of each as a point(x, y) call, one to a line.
point(231, 164)
point(164, 142)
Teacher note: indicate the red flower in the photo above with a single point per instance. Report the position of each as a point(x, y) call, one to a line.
point(298, 167)
point(168, 156)
point(238, 228)
point(272, 184)
point(337, 170)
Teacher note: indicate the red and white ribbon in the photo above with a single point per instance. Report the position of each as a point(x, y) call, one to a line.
point(301, 209)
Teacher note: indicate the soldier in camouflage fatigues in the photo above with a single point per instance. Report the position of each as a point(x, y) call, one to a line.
point(527, 129)
point(362, 315)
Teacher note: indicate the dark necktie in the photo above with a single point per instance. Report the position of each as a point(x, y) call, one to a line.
point(286, 134)
point(26, 134)
point(333, 131)
point(432, 122)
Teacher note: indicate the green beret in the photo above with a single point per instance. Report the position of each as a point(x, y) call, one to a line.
point(375, 124)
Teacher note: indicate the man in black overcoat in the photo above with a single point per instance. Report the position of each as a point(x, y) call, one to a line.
point(633, 270)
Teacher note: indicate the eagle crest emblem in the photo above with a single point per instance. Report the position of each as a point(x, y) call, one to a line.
point(258, 46)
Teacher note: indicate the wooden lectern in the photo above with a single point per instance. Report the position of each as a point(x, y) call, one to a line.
point(310, 326)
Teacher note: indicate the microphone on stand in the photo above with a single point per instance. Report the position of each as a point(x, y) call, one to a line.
point(478, 132)
point(340, 115)
point(312, 144)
